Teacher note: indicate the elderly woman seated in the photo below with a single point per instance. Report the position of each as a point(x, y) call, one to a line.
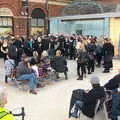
point(24, 72)
point(4, 114)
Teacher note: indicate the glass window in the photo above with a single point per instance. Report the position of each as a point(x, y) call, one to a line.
point(9, 22)
point(0, 22)
point(34, 22)
point(40, 22)
point(5, 21)
point(37, 22)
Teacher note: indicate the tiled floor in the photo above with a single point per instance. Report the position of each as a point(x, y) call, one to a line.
point(52, 102)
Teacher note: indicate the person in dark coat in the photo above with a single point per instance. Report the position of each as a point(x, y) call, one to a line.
point(13, 52)
point(71, 48)
point(67, 48)
point(52, 48)
point(98, 52)
point(108, 53)
point(61, 47)
point(82, 59)
point(113, 83)
point(90, 99)
point(45, 44)
point(28, 47)
point(59, 64)
point(4, 49)
point(18, 44)
point(91, 47)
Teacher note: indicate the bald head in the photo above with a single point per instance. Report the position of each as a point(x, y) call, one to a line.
point(3, 97)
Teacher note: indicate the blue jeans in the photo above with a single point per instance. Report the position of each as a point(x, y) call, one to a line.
point(31, 78)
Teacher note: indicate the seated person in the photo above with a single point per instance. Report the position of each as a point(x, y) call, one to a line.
point(24, 72)
point(90, 99)
point(36, 57)
point(34, 67)
point(9, 67)
point(113, 83)
point(41, 71)
point(59, 64)
point(4, 113)
point(46, 61)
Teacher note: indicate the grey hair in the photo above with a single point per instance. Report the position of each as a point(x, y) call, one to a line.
point(2, 94)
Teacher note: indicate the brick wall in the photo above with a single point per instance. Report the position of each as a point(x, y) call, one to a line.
point(14, 5)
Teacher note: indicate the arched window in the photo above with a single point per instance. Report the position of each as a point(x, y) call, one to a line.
point(38, 19)
point(6, 24)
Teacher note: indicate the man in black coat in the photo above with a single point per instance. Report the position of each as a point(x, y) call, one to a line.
point(90, 99)
point(108, 53)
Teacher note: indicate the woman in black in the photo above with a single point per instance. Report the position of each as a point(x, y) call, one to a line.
point(4, 49)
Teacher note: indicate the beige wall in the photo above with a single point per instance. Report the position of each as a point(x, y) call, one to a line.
point(115, 32)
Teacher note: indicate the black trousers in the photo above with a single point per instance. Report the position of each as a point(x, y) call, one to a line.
point(91, 66)
point(108, 65)
point(81, 69)
point(99, 58)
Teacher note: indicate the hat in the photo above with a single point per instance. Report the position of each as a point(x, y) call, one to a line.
point(95, 80)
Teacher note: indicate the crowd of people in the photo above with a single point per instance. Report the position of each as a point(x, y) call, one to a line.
point(38, 53)
point(31, 59)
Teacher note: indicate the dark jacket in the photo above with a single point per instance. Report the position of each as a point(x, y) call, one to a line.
point(113, 83)
point(108, 51)
point(59, 63)
point(82, 57)
point(12, 52)
point(90, 100)
point(115, 105)
point(91, 47)
point(22, 69)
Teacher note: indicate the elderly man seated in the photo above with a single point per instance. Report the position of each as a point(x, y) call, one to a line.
point(24, 72)
point(4, 114)
point(90, 99)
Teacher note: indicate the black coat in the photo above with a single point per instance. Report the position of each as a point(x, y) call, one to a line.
point(44, 44)
point(82, 57)
point(90, 100)
point(113, 83)
point(12, 52)
point(59, 63)
point(108, 52)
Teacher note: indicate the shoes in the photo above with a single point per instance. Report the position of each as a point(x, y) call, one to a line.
point(66, 78)
point(40, 85)
point(85, 75)
point(89, 72)
point(80, 78)
point(98, 65)
point(33, 92)
point(106, 71)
